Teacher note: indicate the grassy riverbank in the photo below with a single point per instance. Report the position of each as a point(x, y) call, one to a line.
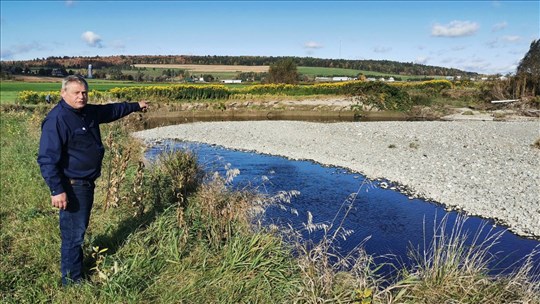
point(171, 233)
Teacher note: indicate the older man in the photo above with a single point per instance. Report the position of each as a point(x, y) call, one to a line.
point(70, 157)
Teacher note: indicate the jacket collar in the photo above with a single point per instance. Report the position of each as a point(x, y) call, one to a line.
point(66, 106)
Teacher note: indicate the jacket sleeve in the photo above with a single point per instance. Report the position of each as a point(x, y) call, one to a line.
point(113, 111)
point(50, 154)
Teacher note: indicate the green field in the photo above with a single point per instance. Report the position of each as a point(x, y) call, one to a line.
point(155, 72)
point(313, 72)
point(9, 90)
point(310, 72)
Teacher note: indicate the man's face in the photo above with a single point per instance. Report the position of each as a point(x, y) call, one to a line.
point(75, 94)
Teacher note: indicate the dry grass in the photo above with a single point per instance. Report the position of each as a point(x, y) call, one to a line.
point(37, 79)
point(453, 267)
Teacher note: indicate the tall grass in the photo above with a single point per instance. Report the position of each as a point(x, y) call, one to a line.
point(453, 267)
point(177, 235)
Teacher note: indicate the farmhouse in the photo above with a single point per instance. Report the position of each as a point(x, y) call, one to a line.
point(57, 73)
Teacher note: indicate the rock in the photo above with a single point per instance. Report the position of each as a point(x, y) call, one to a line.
point(476, 165)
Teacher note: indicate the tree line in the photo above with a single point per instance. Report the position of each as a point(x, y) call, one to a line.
point(97, 62)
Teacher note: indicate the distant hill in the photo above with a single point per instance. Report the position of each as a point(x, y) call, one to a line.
point(381, 66)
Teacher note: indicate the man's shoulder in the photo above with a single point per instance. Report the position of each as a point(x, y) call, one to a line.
point(58, 113)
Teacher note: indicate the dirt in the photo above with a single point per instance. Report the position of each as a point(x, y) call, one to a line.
point(37, 79)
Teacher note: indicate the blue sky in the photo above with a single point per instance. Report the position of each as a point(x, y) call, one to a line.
point(479, 36)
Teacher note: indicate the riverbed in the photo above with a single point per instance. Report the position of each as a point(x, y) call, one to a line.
point(489, 169)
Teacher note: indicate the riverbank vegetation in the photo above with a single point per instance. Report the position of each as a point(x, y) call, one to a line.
point(170, 232)
point(372, 95)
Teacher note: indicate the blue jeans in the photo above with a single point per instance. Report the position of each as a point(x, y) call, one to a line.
point(73, 223)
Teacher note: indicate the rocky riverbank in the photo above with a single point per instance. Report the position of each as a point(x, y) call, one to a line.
point(485, 168)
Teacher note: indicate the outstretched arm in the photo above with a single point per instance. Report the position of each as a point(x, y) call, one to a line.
point(113, 111)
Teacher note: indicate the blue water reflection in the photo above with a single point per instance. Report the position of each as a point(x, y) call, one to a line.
point(392, 220)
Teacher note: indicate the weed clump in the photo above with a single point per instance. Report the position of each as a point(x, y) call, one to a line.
point(454, 267)
point(536, 144)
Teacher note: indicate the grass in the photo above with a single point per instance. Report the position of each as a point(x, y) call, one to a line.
point(448, 269)
point(155, 72)
point(175, 234)
point(9, 89)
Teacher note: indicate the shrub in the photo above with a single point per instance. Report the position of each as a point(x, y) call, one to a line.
point(33, 97)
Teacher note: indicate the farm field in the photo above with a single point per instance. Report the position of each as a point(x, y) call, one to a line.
point(204, 68)
point(9, 89)
point(155, 72)
point(229, 71)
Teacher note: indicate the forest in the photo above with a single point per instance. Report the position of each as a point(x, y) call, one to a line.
point(97, 62)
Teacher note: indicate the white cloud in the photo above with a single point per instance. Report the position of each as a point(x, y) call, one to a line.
point(455, 28)
point(499, 26)
point(10, 53)
point(382, 49)
point(421, 60)
point(503, 41)
point(447, 60)
point(511, 38)
point(493, 43)
point(69, 2)
point(92, 39)
point(458, 48)
point(478, 66)
point(117, 44)
point(312, 45)
point(6, 54)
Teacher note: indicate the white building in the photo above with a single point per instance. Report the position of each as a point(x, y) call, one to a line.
point(341, 78)
point(231, 81)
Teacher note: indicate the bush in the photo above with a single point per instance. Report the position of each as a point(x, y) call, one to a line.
point(379, 95)
point(33, 97)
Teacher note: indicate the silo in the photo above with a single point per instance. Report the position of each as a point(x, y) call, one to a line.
point(89, 71)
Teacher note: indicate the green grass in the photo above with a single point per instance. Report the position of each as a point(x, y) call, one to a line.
point(154, 72)
point(313, 72)
point(9, 90)
point(173, 238)
point(174, 251)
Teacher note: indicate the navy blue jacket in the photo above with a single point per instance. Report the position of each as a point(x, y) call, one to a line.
point(70, 146)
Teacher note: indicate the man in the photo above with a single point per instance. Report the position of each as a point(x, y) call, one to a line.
point(70, 157)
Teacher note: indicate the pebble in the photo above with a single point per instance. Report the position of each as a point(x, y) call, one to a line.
point(499, 155)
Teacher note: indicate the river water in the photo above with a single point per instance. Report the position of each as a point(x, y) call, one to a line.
point(393, 222)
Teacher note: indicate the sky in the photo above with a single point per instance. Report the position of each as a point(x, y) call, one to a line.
point(488, 37)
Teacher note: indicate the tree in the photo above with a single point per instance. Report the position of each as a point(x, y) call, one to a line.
point(528, 71)
point(283, 71)
point(530, 64)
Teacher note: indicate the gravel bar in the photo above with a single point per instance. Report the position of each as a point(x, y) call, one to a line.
point(485, 168)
